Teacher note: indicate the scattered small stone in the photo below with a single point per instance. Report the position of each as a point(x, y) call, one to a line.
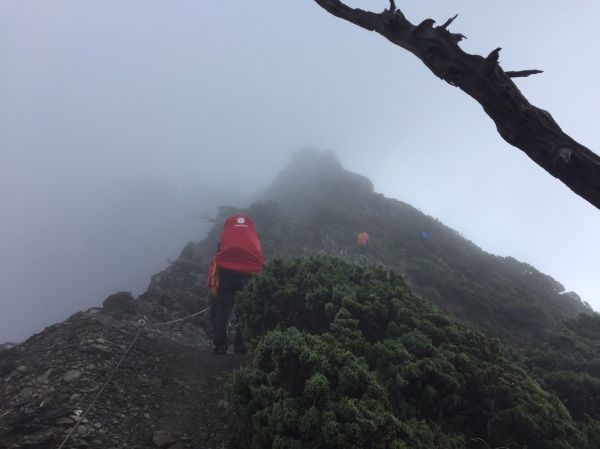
point(72, 376)
point(47, 393)
point(44, 378)
point(181, 383)
point(64, 421)
point(163, 439)
point(144, 380)
point(101, 348)
point(17, 372)
point(26, 392)
point(6, 346)
point(61, 370)
point(110, 322)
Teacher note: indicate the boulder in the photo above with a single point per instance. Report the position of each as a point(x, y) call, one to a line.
point(120, 303)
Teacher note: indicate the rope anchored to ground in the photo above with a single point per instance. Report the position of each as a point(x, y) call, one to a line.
point(144, 324)
point(141, 325)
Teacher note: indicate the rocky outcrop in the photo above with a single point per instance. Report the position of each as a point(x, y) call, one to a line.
point(167, 390)
point(121, 303)
point(7, 345)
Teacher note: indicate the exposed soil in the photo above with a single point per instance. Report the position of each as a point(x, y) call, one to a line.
point(162, 385)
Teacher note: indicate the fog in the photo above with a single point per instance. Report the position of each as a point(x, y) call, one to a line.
point(122, 123)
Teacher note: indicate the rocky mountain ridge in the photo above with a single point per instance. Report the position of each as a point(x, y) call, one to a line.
point(316, 207)
point(169, 390)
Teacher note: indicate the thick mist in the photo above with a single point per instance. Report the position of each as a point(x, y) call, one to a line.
point(70, 255)
point(122, 123)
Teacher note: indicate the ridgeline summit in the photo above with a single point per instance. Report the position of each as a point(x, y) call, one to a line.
point(419, 340)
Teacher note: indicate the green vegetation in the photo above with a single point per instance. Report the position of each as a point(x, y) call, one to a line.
point(347, 357)
point(317, 207)
point(567, 361)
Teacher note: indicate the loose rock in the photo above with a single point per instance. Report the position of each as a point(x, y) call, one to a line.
point(163, 439)
point(72, 376)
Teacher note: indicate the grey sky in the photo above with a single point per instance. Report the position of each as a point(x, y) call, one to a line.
point(117, 118)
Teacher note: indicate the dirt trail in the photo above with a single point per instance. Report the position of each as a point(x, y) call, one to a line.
point(161, 386)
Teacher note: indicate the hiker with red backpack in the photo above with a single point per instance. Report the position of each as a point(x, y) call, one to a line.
point(238, 257)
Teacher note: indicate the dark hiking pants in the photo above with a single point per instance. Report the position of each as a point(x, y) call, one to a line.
point(221, 307)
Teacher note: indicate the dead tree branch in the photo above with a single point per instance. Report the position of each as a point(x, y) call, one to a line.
point(523, 73)
point(521, 124)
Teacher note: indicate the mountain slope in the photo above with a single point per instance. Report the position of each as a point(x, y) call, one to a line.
point(166, 384)
point(347, 357)
point(453, 382)
point(316, 207)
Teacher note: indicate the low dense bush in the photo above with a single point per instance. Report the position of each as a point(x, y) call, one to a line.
point(347, 357)
point(567, 362)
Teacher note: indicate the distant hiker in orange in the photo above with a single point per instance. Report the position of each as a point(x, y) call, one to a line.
point(238, 256)
point(362, 240)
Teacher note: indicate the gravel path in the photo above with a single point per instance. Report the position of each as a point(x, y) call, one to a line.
point(165, 394)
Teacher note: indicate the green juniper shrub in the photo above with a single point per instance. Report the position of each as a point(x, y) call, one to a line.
point(346, 357)
point(567, 362)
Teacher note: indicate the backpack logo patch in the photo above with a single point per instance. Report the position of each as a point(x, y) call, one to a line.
point(240, 222)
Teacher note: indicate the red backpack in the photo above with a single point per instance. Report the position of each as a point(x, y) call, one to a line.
point(239, 250)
